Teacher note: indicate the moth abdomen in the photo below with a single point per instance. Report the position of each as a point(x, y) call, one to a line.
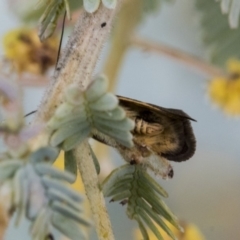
point(143, 127)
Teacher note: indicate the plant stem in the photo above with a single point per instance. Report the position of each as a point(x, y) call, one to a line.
point(77, 66)
point(79, 57)
point(176, 54)
point(95, 196)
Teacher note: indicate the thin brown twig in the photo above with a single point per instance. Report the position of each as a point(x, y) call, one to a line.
point(178, 55)
point(33, 80)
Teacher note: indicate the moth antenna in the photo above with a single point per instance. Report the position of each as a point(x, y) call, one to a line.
point(61, 38)
point(58, 54)
point(30, 113)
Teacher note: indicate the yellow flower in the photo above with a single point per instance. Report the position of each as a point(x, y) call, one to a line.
point(28, 54)
point(225, 91)
point(191, 232)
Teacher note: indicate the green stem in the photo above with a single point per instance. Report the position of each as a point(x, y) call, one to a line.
point(128, 19)
point(97, 203)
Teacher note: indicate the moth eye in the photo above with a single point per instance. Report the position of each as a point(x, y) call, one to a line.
point(133, 162)
point(171, 173)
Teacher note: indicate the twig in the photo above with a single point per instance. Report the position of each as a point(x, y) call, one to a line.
point(176, 54)
point(33, 80)
point(77, 66)
point(97, 202)
point(79, 58)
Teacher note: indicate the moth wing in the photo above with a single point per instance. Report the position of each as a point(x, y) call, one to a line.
point(176, 142)
point(135, 106)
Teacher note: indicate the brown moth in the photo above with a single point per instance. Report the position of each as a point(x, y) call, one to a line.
point(160, 134)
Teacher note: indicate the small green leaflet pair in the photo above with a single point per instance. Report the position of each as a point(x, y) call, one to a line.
point(48, 20)
point(132, 185)
point(53, 9)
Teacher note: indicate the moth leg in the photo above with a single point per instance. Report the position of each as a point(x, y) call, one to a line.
point(143, 127)
point(143, 150)
point(131, 155)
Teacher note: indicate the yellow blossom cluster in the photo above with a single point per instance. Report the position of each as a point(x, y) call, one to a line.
point(23, 47)
point(225, 91)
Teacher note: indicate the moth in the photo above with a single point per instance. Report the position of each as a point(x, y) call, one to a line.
point(160, 135)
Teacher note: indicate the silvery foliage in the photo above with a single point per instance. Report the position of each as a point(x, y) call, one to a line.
point(85, 112)
point(40, 192)
point(29, 185)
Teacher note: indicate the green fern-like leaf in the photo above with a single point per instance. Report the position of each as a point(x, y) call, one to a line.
point(86, 112)
point(48, 20)
point(232, 8)
point(221, 41)
point(132, 185)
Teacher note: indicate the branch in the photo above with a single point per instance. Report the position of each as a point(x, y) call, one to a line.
point(79, 58)
point(97, 203)
point(189, 60)
point(77, 66)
